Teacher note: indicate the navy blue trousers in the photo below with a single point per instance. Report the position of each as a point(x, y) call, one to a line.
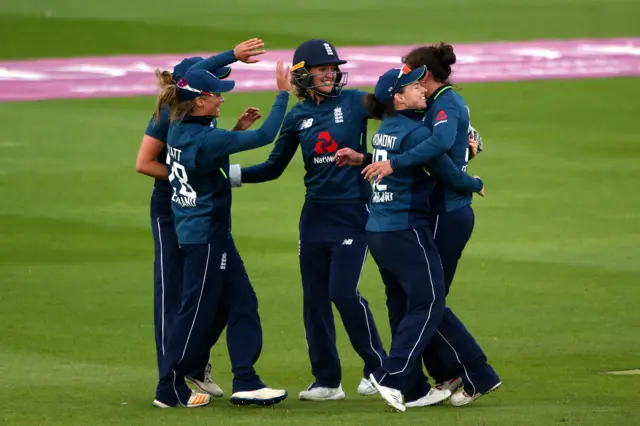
point(216, 291)
point(453, 351)
point(451, 233)
point(167, 288)
point(333, 250)
point(167, 279)
point(412, 274)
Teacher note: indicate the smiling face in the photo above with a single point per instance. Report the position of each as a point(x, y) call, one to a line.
point(412, 97)
point(324, 77)
point(209, 105)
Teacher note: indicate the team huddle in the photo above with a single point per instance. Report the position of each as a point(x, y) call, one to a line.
point(408, 203)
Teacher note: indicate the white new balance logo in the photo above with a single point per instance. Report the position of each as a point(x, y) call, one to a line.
point(306, 123)
point(328, 48)
point(347, 242)
point(337, 115)
point(223, 261)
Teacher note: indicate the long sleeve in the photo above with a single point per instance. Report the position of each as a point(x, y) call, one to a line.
point(452, 176)
point(214, 62)
point(280, 156)
point(441, 140)
point(220, 143)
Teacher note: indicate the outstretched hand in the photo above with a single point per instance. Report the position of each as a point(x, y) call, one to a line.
point(248, 50)
point(283, 78)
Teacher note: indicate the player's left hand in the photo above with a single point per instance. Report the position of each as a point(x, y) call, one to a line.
point(248, 117)
point(473, 146)
point(348, 157)
point(379, 170)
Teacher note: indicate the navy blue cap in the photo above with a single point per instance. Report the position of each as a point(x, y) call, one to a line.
point(181, 69)
point(315, 52)
point(202, 83)
point(392, 81)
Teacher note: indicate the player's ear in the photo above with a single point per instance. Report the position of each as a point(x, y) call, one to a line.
point(399, 97)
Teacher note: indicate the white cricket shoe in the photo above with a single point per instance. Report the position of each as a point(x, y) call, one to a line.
point(451, 385)
point(366, 388)
point(462, 398)
point(207, 385)
point(264, 396)
point(320, 393)
point(393, 397)
point(196, 399)
point(434, 397)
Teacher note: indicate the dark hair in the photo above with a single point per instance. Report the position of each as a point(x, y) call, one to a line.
point(377, 109)
point(438, 59)
point(169, 95)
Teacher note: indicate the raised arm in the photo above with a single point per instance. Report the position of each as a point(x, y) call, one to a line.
point(244, 52)
point(280, 156)
point(221, 143)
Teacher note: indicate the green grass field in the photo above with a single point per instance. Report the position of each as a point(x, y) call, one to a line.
point(549, 284)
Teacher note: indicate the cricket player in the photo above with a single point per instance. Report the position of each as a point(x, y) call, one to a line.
point(215, 285)
point(452, 344)
point(332, 245)
point(452, 221)
point(396, 230)
point(151, 158)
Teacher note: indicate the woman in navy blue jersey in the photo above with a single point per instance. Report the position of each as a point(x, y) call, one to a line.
point(452, 219)
point(151, 162)
point(216, 291)
point(333, 246)
point(398, 229)
point(461, 361)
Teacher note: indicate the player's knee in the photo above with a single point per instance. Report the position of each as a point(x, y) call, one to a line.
point(427, 300)
point(344, 300)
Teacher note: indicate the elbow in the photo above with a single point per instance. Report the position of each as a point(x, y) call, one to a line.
point(272, 174)
point(276, 174)
point(142, 167)
point(276, 169)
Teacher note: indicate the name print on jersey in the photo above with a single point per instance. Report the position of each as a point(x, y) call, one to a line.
point(380, 142)
point(186, 196)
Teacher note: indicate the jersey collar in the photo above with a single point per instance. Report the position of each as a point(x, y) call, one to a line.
point(199, 119)
point(436, 94)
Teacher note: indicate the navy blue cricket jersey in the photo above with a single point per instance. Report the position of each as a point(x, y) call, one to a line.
point(321, 130)
point(161, 195)
point(401, 200)
point(447, 116)
point(198, 158)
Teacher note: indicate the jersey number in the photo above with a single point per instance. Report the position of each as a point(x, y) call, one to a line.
point(379, 155)
point(178, 172)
